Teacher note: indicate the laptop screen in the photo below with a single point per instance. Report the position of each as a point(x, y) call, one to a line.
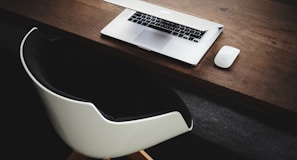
point(167, 14)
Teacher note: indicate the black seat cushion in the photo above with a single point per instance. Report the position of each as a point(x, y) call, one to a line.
point(120, 90)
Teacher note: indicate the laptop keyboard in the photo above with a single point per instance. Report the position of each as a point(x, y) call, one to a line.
point(167, 26)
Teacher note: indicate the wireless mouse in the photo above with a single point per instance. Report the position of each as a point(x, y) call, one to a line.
point(226, 56)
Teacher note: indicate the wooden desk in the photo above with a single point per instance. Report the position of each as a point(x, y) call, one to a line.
point(264, 75)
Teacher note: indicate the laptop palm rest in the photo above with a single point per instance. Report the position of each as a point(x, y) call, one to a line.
point(152, 40)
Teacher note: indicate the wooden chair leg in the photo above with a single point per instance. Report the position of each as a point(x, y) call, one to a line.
point(141, 155)
point(76, 156)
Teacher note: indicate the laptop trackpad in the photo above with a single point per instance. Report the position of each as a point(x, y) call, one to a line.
point(153, 39)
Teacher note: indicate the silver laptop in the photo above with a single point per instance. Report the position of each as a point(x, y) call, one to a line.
point(173, 34)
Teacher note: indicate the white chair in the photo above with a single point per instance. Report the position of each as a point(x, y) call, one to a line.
point(88, 127)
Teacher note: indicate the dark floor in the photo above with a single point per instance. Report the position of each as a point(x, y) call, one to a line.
point(222, 129)
point(239, 129)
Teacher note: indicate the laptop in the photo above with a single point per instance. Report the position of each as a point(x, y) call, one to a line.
point(164, 31)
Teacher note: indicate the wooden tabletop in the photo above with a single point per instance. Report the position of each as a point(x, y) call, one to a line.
point(264, 76)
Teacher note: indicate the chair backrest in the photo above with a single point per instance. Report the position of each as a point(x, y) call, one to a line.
point(79, 122)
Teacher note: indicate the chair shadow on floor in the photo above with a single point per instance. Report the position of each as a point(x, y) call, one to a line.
point(191, 146)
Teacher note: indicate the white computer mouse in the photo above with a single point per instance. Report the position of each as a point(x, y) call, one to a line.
point(226, 56)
